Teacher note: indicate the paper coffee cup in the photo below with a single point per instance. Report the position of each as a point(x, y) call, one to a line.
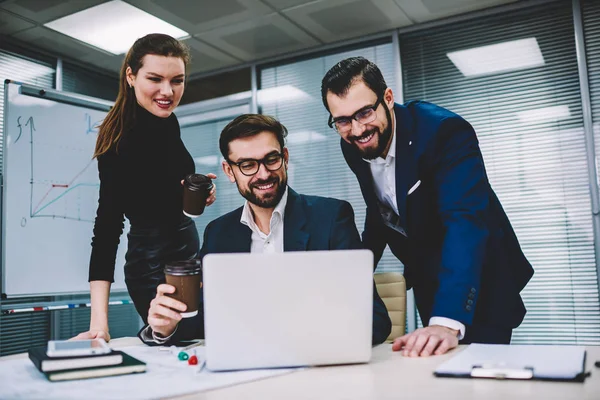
point(196, 189)
point(186, 277)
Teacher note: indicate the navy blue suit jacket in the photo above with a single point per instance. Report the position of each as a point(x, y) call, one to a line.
point(461, 254)
point(310, 223)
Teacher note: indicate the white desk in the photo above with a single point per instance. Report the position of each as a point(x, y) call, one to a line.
point(391, 376)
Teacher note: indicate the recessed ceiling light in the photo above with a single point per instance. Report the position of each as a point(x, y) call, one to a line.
point(113, 26)
point(496, 58)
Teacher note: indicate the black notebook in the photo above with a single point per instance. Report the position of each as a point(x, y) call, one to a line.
point(129, 365)
point(47, 364)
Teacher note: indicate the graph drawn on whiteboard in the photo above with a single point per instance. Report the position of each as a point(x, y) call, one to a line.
point(56, 191)
point(50, 192)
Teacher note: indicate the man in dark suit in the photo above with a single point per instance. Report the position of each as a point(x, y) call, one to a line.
point(428, 198)
point(274, 219)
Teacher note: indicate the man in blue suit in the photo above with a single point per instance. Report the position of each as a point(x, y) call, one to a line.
point(273, 219)
point(428, 198)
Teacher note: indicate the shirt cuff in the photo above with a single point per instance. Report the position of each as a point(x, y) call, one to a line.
point(449, 323)
point(148, 335)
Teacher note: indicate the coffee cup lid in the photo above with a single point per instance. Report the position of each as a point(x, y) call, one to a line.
point(198, 181)
point(184, 267)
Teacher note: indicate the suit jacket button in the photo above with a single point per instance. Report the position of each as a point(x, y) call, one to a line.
point(471, 296)
point(469, 302)
point(473, 290)
point(468, 308)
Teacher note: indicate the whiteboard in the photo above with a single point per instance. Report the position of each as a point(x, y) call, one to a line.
point(50, 191)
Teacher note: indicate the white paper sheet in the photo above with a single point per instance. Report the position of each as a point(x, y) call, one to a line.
point(166, 376)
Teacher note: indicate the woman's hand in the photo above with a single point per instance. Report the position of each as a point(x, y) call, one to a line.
point(93, 334)
point(212, 196)
point(164, 313)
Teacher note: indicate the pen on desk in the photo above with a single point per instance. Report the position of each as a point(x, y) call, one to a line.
point(201, 366)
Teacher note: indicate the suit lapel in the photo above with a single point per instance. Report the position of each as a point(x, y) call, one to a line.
point(405, 159)
point(240, 239)
point(295, 236)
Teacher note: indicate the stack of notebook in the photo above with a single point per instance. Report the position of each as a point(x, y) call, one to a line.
point(82, 367)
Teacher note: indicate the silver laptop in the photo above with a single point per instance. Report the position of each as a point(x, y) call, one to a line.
point(287, 309)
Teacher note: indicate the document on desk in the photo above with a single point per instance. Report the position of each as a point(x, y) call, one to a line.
point(565, 363)
point(166, 376)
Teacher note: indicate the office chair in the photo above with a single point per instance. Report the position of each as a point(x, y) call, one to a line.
point(391, 287)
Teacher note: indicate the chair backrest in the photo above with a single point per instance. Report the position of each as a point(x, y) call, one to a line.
point(391, 286)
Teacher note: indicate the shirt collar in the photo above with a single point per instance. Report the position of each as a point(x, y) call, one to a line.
point(247, 217)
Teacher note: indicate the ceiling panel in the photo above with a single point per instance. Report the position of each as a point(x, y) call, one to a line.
point(10, 24)
point(55, 42)
point(283, 4)
point(207, 58)
point(259, 38)
point(43, 11)
point(427, 10)
point(194, 16)
point(334, 20)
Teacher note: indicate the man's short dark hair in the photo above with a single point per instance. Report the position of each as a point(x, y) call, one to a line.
point(343, 74)
point(250, 125)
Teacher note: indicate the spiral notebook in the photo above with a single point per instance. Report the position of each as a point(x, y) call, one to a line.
point(495, 361)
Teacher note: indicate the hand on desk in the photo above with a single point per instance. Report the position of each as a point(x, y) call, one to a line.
point(93, 334)
point(424, 342)
point(164, 315)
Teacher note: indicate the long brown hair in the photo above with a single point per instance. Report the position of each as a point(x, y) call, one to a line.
point(121, 116)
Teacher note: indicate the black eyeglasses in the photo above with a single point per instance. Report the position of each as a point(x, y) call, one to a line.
point(364, 116)
point(272, 162)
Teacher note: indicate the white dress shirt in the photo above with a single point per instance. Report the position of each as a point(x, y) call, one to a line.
point(384, 181)
point(261, 243)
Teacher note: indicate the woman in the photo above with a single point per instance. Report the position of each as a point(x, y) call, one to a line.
point(142, 162)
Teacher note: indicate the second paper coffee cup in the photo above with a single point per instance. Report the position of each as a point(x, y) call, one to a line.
point(186, 277)
point(196, 189)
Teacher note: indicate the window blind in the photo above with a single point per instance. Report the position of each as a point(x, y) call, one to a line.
point(292, 93)
point(591, 27)
point(528, 119)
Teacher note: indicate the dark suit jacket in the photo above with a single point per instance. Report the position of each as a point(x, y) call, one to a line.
point(310, 223)
point(461, 254)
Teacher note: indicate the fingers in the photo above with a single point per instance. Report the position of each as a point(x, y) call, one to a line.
point(444, 346)
point(432, 343)
point(425, 342)
point(410, 343)
point(212, 195)
point(163, 315)
point(211, 176)
point(400, 342)
point(162, 300)
point(83, 336)
point(164, 288)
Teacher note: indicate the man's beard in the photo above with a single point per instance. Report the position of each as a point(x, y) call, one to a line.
point(265, 202)
point(382, 139)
